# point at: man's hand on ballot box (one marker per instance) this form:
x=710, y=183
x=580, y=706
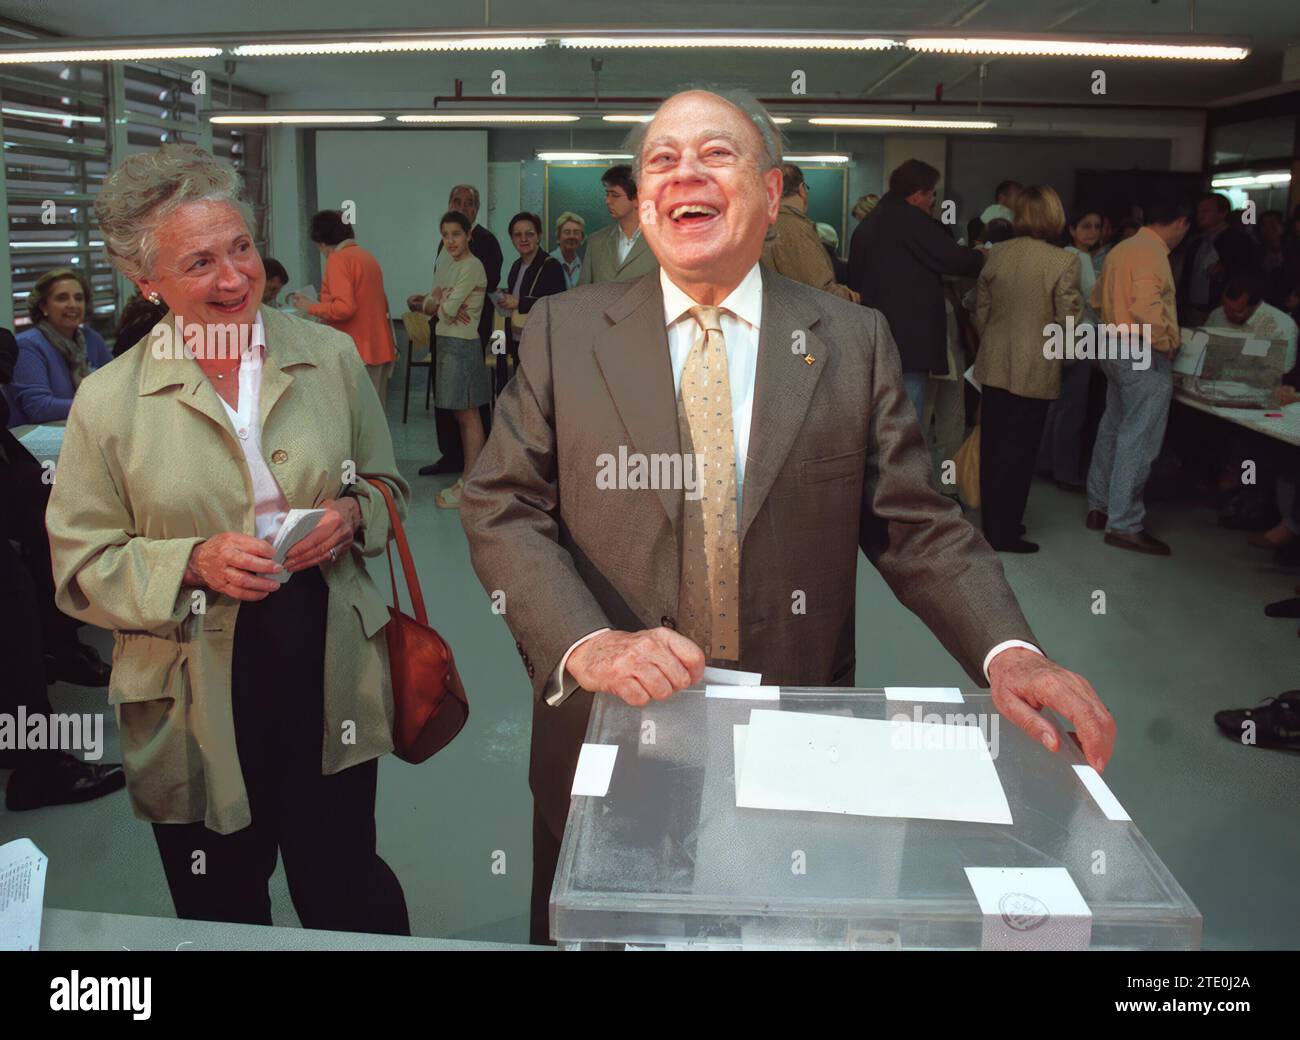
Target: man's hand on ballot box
x=637, y=666
x=1023, y=682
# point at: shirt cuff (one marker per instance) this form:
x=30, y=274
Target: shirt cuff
x=560, y=686
x=1007, y=645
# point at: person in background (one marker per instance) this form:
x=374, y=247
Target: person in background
x=1003, y=205
x=897, y=261
x=276, y=279
x=997, y=231
x=483, y=244
x=618, y=253
x=461, y=384
x=1244, y=309
x=796, y=249
x=1128, y=227
x=863, y=207
x=974, y=233
x=1136, y=287
x=570, y=233
x=1060, y=456
x=57, y=352
x=352, y=297
x=251, y=731
x=38, y=642
x=139, y=316
x=1272, y=256
x=1219, y=249
x=830, y=239
x=1027, y=284
x=535, y=274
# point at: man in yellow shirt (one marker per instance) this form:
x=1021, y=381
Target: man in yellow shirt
x=1136, y=289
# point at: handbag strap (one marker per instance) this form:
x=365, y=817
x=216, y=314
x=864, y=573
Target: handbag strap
x=403, y=552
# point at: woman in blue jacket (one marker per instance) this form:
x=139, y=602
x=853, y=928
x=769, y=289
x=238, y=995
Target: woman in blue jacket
x=57, y=352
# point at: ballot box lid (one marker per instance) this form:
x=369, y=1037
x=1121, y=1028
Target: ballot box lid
x=665, y=859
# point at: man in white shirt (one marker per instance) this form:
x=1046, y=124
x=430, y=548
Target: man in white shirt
x=1243, y=308
x=627, y=588
x=618, y=253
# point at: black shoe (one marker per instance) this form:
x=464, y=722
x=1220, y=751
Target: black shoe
x=441, y=468
x=63, y=781
x=1287, y=608
x=1137, y=541
x=1277, y=722
x=80, y=665
x=1018, y=546
x=1096, y=520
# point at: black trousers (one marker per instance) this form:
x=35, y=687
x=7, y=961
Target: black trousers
x=30, y=624
x=323, y=826
x=1011, y=429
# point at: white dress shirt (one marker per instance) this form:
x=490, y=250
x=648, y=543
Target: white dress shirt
x=741, y=320
x=625, y=244
x=269, y=504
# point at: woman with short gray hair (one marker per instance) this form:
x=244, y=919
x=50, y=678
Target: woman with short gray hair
x=251, y=686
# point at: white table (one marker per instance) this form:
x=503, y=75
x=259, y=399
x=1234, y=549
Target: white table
x=1285, y=429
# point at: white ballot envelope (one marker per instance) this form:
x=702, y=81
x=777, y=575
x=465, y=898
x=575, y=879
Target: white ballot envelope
x=22, y=894
x=297, y=526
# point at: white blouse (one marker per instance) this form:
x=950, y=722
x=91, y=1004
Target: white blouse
x=269, y=504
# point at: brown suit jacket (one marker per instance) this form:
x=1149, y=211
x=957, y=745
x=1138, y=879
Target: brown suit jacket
x=835, y=463
x=1024, y=285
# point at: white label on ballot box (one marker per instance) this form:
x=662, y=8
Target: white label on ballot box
x=730, y=677
x=1031, y=908
x=743, y=693
x=595, y=770
x=1101, y=794
x=933, y=694
x=805, y=762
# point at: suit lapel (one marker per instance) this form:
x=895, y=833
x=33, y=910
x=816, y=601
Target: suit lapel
x=783, y=390
x=632, y=353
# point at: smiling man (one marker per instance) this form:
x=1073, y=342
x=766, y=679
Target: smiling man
x=793, y=400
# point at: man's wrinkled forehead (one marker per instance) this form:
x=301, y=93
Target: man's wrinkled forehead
x=696, y=117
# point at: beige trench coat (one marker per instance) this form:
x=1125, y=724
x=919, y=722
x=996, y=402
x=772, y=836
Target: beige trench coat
x=150, y=467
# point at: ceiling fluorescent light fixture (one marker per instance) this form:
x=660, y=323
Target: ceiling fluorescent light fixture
x=780, y=41
x=644, y=117
x=1263, y=180
x=487, y=117
x=1034, y=46
x=574, y=156
x=30, y=56
x=818, y=157
x=387, y=45
x=309, y=118
x=905, y=122
x=57, y=117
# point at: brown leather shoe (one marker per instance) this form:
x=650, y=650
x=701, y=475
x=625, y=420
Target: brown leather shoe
x=1096, y=520
x=1137, y=541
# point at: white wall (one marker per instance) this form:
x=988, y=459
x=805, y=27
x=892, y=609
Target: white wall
x=399, y=181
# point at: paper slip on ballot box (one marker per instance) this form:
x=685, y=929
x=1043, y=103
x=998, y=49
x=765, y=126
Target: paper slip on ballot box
x=658, y=855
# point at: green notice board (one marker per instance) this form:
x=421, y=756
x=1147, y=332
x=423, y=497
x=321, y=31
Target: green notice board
x=576, y=187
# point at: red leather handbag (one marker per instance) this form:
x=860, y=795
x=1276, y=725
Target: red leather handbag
x=429, y=702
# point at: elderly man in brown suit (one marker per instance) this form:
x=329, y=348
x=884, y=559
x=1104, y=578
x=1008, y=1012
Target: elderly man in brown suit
x=815, y=452
x=797, y=251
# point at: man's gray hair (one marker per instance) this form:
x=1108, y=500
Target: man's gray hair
x=147, y=188
x=467, y=187
x=741, y=99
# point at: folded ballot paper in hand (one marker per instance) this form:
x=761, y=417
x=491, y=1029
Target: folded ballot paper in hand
x=298, y=524
x=866, y=767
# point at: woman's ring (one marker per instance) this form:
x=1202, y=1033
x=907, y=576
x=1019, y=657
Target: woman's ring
x=333, y=556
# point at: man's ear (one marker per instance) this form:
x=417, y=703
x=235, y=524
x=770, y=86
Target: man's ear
x=773, y=183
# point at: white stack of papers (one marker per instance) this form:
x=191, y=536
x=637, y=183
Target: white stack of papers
x=22, y=894
x=867, y=767
x=297, y=525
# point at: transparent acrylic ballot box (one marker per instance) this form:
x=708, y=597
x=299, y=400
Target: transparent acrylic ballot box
x=666, y=860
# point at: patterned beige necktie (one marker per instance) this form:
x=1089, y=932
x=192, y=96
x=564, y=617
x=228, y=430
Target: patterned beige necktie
x=710, y=580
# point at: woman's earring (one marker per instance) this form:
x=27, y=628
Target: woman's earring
x=154, y=298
